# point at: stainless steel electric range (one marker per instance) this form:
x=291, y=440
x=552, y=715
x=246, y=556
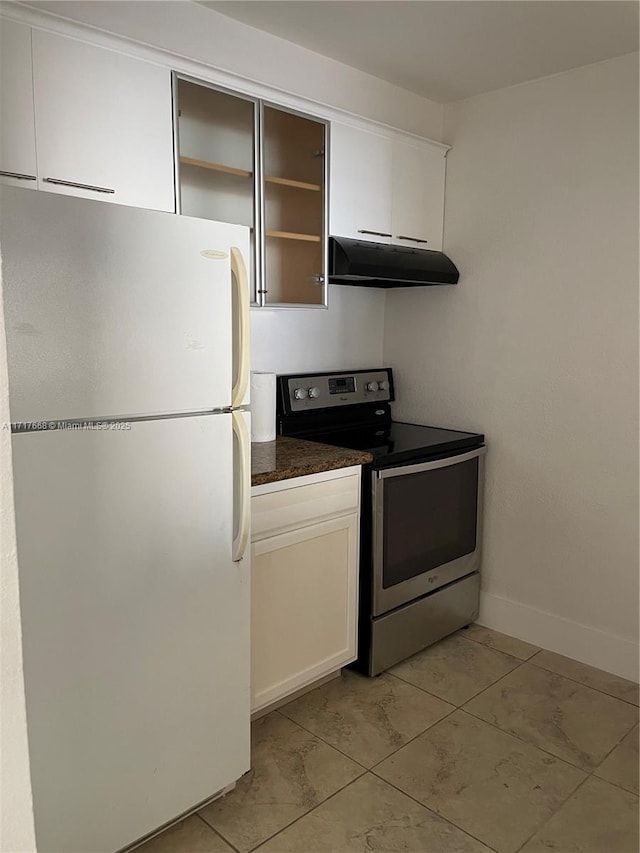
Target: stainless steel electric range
x=421, y=511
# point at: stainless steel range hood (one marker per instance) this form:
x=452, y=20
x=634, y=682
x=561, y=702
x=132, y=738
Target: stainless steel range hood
x=359, y=262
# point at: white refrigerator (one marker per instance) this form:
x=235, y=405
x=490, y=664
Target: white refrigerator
x=127, y=338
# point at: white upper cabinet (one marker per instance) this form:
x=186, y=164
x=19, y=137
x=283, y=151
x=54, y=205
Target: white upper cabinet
x=361, y=173
x=104, y=123
x=417, y=194
x=17, y=127
x=388, y=189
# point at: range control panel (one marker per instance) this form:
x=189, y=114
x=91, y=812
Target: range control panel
x=327, y=390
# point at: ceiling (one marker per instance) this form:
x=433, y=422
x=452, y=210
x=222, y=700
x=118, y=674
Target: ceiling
x=450, y=49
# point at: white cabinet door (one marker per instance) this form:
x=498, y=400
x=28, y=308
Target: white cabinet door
x=361, y=170
x=418, y=194
x=17, y=127
x=103, y=121
x=304, y=607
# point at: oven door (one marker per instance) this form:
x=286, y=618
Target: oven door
x=427, y=526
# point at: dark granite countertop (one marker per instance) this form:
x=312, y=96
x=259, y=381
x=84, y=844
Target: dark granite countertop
x=285, y=458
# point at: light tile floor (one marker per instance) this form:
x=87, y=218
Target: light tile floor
x=481, y=742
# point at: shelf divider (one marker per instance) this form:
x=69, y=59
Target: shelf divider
x=290, y=235
x=287, y=182
x=215, y=167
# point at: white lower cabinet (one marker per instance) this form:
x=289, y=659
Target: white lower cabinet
x=304, y=588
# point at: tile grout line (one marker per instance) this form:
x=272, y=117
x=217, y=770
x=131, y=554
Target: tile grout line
x=546, y=751
x=431, y=811
x=613, y=748
x=217, y=831
x=461, y=707
x=419, y=735
x=580, y=683
x=312, y=809
x=495, y=725
x=587, y=774
x=474, y=696
x=384, y=758
x=554, y=813
x=385, y=782
x=521, y=662
x=526, y=742
x=372, y=770
x=522, y=740
x=214, y=830
x=465, y=636
x=539, y=650
x=364, y=769
x=613, y=784
x=320, y=738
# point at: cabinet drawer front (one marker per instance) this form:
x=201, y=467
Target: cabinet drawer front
x=300, y=505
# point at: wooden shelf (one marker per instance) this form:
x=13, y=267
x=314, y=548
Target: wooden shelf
x=289, y=235
x=215, y=167
x=245, y=173
x=287, y=182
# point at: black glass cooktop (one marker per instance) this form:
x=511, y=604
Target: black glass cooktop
x=401, y=443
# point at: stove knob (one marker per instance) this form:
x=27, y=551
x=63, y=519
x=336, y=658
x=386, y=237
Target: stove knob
x=314, y=393
x=300, y=393
x=384, y=385
x=372, y=386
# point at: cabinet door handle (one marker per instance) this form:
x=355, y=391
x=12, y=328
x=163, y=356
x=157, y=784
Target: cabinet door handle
x=374, y=233
x=18, y=175
x=77, y=186
x=415, y=239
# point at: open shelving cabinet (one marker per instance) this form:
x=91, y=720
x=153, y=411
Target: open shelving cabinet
x=252, y=163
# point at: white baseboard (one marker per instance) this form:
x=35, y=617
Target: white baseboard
x=557, y=634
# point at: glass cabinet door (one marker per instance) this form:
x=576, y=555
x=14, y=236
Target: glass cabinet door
x=248, y=163
x=216, y=150
x=294, y=205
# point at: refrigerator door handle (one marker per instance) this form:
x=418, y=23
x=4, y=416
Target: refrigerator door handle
x=242, y=486
x=241, y=321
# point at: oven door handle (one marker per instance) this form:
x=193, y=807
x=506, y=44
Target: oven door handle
x=430, y=466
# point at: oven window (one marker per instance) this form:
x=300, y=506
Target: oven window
x=429, y=520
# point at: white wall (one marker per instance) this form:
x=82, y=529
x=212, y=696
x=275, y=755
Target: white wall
x=537, y=346
x=349, y=334
x=193, y=31
x=16, y=808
